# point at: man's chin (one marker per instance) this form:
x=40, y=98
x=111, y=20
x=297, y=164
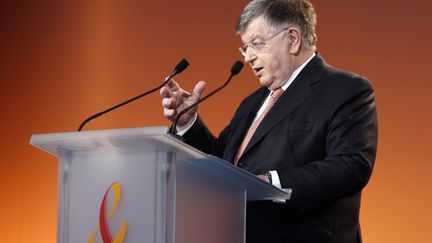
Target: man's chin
x=269, y=85
x=264, y=82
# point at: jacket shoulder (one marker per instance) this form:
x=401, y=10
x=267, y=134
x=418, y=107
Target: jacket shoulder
x=340, y=79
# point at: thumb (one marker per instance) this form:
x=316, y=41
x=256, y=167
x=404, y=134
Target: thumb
x=198, y=90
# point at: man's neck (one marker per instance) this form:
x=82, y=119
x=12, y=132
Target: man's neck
x=303, y=56
x=299, y=68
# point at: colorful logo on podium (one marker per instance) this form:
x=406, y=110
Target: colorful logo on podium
x=103, y=227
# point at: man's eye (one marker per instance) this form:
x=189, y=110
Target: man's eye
x=257, y=44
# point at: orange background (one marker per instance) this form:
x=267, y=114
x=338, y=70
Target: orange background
x=61, y=61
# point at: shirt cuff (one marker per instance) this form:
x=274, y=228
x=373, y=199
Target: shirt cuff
x=276, y=182
x=182, y=132
x=275, y=179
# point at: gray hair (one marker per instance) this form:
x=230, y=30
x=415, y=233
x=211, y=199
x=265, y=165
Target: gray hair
x=281, y=13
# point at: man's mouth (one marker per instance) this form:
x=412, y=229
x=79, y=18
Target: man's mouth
x=257, y=71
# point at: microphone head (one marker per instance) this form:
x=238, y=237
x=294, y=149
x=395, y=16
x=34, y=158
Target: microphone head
x=181, y=66
x=236, y=68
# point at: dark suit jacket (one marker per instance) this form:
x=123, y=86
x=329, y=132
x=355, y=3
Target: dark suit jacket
x=321, y=137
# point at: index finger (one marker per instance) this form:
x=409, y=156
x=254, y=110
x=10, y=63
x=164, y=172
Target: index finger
x=165, y=92
x=172, y=85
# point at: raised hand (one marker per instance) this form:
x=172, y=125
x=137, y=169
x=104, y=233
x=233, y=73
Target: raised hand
x=175, y=99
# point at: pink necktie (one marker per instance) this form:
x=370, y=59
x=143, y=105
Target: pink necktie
x=273, y=98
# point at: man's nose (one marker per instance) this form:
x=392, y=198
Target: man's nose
x=249, y=55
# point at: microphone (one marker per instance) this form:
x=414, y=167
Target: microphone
x=180, y=67
x=235, y=69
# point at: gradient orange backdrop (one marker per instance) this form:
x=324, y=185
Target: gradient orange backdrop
x=61, y=61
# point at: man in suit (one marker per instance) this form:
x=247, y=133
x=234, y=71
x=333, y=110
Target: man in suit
x=310, y=127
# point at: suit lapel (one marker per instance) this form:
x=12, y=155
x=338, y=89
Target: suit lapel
x=296, y=93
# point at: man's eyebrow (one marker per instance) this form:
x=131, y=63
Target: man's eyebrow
x=255, y=38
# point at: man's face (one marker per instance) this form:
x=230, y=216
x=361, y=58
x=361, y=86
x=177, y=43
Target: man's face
x=272, y=64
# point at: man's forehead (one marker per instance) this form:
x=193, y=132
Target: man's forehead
x=257, y=27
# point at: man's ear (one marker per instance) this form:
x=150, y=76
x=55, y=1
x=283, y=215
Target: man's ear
x=295, y=38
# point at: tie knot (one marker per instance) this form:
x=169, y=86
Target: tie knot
x=276, y=93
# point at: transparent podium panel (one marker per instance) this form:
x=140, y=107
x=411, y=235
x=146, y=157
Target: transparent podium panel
x=142, y=185
x=208, y=210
